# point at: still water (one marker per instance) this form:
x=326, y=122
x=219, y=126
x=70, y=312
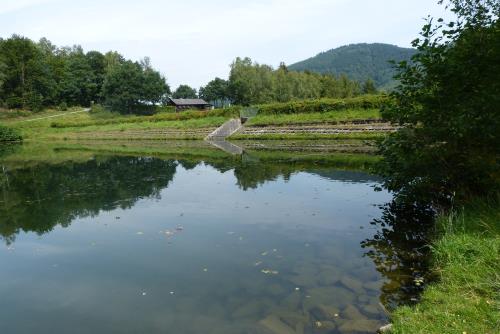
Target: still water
x=132, y=244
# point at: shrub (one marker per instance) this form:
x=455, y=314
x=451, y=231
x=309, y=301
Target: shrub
x=323, y=105
x=14, y=102
x=9, y=134
x=63, y=106
x=97, y=108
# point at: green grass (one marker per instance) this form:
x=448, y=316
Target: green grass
x=103, y=124
x=107, y=118
x=466, y=256
x=309, y=136
x=331, y=117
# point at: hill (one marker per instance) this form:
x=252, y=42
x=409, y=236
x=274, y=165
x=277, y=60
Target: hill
x=358, y=62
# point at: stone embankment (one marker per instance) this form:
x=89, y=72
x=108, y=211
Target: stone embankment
x=325, y=129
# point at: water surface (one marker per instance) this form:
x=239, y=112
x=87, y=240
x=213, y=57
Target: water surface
x=135, y=244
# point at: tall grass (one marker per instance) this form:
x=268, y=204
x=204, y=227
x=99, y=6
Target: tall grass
x=467, y=258
x=332, y=117
x=323, y=105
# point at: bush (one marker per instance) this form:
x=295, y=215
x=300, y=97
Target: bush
x=9, y=134
x=323, y=105
x=97, y=108
x=14, y=102
x=63, y=106
x=35, y=102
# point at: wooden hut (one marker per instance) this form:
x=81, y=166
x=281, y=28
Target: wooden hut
x=185, y=104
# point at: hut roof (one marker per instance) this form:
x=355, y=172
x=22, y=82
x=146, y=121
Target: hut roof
x=189, y=102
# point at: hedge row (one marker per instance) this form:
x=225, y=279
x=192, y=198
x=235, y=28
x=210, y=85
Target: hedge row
x=9, y=134
x=323, y=105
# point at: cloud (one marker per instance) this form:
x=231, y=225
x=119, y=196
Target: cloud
x=191, y=41
x=7, y=6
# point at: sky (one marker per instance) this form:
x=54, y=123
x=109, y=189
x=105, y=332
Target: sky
x=193, y=41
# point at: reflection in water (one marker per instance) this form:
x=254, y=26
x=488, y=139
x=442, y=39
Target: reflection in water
x=399, y=250
x=193, y=253
x=38, y=198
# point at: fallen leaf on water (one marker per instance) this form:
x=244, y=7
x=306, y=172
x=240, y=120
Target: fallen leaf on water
x=269, y=272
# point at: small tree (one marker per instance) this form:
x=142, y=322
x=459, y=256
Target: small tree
x=448, y=105
x=369, y=87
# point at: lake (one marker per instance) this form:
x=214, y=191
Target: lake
x=100, y=242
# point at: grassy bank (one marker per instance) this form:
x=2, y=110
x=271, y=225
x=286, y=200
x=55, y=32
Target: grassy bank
x=309, y=136
x=80, y=124
x=331, y=117
x=466, y=257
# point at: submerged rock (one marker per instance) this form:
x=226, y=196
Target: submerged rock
x=329, y=275
x=359, y=326
x=352, y=312
x=385, y=329
x=352, y=284
x=374, y=285
x=292, y=301
x=324, y=326
x=372, y=309
x=324, y=312
x=304, y=280
x=334, y=295
x=275, y=325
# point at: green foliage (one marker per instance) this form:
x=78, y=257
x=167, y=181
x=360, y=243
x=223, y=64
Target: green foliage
x=216, y=92
x=448, y=104
x=323, y=105
x=359, y=62
x=252, y=83
x=133, y=88
x=38, y=75
x=63, y=106
x=9, y=135
x=330, y=117
x=23, y=72
x=185, y=92
x=465, y=256
x=369, y=87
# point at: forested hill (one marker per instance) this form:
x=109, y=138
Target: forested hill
x=359, y=62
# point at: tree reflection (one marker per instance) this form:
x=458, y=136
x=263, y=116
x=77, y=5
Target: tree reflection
x=38, y=196
x=399, y=251
x=41, y=197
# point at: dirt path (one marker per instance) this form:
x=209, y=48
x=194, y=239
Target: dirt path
x=52, y=116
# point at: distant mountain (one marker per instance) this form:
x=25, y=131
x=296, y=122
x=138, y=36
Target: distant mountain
x=359, y=62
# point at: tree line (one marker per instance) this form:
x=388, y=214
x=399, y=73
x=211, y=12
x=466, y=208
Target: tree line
x=35, y=75
x=253, y=83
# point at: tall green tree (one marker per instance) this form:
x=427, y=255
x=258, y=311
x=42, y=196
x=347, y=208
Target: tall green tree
x=448, y=105
x=23, y=82
x=132, y=88
x=185, y=92
x=215, y=91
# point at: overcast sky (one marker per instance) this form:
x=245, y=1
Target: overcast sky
x=193, y=41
